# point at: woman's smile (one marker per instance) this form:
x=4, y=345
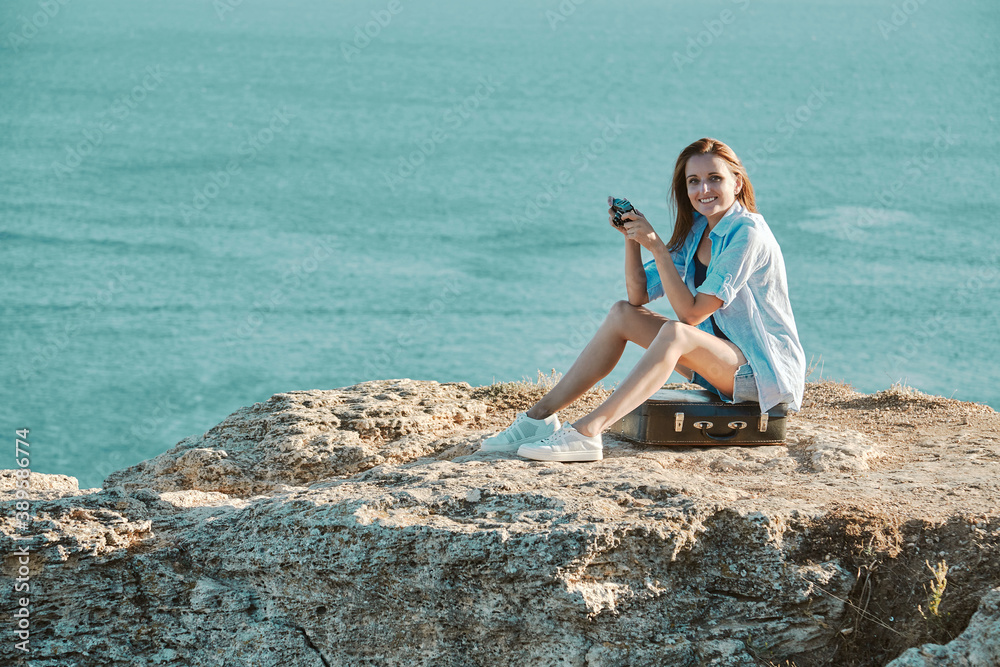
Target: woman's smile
x=708, y=203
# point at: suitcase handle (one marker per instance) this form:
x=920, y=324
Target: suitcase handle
x=703, y=426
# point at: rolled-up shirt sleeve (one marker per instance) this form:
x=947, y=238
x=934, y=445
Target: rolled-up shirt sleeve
x=730, y=270
x=654, y=286
x=654, y=283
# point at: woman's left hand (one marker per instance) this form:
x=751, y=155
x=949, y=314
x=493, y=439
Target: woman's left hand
x=638, y=229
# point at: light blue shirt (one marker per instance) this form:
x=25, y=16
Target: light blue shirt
x=747, y=272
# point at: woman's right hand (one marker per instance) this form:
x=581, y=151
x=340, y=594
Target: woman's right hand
x=637, y=228
x=611, y=221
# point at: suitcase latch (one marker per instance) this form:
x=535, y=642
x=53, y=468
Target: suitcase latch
x=678, y=421
x=762, y=424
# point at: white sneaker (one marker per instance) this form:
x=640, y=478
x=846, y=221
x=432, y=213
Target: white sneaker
x=566, y=444
x=524, y=430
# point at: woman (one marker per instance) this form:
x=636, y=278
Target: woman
x=724, y=276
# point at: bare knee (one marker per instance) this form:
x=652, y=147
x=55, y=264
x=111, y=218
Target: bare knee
x=671, y=330
x=620, y=313
x=621, y=309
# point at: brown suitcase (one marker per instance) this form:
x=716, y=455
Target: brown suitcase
x=699, y=417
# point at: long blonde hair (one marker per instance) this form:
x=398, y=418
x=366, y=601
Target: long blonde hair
x=678, y=187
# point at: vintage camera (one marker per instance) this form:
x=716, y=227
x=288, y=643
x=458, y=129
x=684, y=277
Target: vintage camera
x=619, y=206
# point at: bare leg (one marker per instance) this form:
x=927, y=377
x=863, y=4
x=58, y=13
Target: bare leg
x=624, y=322
x=712, y=357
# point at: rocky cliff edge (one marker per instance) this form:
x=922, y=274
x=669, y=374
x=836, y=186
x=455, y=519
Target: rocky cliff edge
x=360, y=526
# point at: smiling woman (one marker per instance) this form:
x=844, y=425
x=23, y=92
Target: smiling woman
x=724, y=276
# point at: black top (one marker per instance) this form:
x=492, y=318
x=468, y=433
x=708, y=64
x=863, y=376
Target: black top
x=700, y=271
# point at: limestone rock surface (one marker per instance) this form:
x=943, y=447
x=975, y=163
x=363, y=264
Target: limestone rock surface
x=361, y=526
x=298, y=437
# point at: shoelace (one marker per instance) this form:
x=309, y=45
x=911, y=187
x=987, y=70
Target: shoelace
x=556, y=437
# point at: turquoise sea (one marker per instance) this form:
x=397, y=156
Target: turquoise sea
x=203, y=203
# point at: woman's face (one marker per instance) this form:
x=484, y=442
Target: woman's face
x=712, y=187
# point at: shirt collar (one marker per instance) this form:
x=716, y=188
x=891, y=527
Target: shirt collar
x=734, y=212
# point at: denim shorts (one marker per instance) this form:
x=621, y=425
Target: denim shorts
x=744, y=385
